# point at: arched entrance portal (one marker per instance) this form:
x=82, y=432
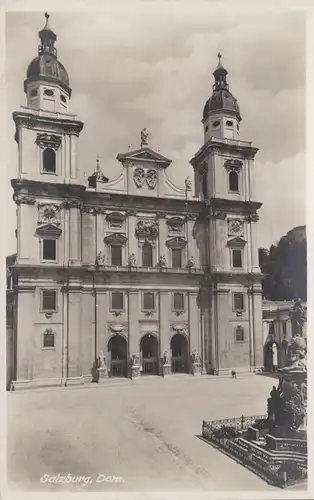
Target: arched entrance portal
x=149, y=352
x=117, y=356
x=179, y=350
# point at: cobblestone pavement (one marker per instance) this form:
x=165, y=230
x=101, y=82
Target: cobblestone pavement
x=145, y=433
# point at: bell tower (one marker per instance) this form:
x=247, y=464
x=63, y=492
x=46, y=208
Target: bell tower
x=224, y=175
x=46, y=132
x=48, y=173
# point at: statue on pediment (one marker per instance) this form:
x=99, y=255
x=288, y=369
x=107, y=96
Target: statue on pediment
x=144, y=137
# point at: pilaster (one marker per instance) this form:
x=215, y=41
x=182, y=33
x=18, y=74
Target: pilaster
x=133, y=324
x=164, y=326
x=74, y=334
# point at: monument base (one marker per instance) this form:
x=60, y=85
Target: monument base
x=166, y=370
x=134, y=371
x=196, y=369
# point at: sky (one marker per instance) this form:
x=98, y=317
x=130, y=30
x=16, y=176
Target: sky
x=152, y=68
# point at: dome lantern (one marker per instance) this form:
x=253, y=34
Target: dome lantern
x=47, y=83
x=221, y=113
x=47, y=38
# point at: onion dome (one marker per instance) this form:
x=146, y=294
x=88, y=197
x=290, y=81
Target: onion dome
x=46, y=65
x=221, y=99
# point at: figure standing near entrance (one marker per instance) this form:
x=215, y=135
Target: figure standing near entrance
x=275, y=356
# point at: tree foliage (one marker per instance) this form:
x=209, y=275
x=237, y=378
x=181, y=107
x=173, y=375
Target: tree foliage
x=285, y=267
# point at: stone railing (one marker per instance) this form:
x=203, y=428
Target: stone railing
x=239, y=423
x=276, y=462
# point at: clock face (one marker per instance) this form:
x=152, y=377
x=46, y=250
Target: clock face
x=236, y=227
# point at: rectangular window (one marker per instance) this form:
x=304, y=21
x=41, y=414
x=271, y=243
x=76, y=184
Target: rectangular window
x=271, y=328
x=116, y=255
x=178, y=301
x=49, y=300
x=148, y=301
x=176, y=254
x=49, y=250
x=9, y=282
x=238, y=301
x=117, y=301
x=49, y=339
x=239, y=334
x=237, y=258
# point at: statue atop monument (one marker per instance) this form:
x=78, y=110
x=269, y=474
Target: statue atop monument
x=298, y=317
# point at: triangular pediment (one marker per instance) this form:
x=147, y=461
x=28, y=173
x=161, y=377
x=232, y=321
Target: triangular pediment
x=176, y=242
x=145, y=155
x=48, y=230
x=236, y=242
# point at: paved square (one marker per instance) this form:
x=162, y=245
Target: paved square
x=144, y=431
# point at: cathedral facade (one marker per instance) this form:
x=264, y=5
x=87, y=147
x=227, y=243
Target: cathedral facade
x=135, y=275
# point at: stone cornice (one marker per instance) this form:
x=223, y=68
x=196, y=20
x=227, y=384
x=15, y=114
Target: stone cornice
x=31, y=120
x=101, y=203
x=235, y=206
x=47, y=189
x=230, y=146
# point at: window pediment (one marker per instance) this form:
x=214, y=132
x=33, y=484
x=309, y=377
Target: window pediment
x=175, y=221
x=146, y=229
x=236, y=243
x=116, y=238
x=48, y=141
x=49, y=230
x=233, y=164
x=177, y=242
x=115, y=219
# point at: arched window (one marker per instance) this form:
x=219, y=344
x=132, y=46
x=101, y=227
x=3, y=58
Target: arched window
x=233, y=181
x=49, y=161
x=147, y=255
